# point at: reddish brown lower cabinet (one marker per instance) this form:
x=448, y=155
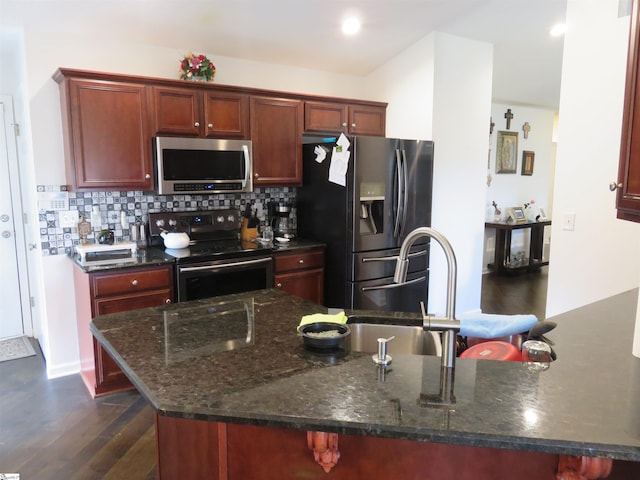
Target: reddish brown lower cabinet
x=111, y=292
x=301, y=273
x=196, y=449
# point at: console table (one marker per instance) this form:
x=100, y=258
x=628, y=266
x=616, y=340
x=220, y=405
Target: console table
x=502, y=259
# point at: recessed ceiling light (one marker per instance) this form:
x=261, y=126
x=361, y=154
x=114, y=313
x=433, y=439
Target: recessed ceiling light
x=558, y=30
x=351, y=26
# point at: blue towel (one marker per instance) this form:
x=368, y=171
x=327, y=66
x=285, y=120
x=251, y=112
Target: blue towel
x=489, y=325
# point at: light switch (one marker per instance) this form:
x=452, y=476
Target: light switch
x=569, y=221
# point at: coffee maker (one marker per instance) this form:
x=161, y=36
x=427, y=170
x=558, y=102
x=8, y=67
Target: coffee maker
x=280, y=219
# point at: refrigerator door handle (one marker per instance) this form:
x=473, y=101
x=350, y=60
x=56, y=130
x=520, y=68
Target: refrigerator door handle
x=398, y=186
x=393, y=258
x=388, y=286
x=405, y=190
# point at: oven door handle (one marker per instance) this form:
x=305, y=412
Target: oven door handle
x=222, y=266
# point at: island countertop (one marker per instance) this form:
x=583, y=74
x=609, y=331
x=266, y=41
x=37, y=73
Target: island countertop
x=238, y=359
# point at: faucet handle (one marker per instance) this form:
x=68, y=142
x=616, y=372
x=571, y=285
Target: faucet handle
x=381, y=358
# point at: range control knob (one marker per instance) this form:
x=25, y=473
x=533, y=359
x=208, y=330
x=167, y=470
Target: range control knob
x=220, y=219
x=160, y=222
x=231, y=218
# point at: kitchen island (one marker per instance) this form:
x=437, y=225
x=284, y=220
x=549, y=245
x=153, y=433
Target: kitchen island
x=237, y=396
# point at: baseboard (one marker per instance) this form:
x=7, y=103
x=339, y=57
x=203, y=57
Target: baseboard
x=62, y=370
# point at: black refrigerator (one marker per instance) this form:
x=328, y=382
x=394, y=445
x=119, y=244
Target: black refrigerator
x=362, y=204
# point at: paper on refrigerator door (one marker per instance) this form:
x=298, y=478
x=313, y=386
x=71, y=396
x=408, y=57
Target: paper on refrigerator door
x=343, y=142
x=321, y=153
x=339, y=165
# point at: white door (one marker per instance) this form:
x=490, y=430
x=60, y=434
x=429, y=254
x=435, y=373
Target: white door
x=11, y=318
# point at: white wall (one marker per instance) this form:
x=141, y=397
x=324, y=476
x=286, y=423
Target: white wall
x=514, y=189
x=601, y=257
x=56, y=323
x=430, y=97
x=461, y=110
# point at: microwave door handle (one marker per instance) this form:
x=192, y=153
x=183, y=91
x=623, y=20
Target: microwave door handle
x=247, y=165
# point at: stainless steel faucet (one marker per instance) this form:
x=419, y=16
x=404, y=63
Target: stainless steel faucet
x=448, y=324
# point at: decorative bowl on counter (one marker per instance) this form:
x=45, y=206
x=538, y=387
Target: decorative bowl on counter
x=324, y=335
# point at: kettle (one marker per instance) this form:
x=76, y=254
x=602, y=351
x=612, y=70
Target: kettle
x=175, y=239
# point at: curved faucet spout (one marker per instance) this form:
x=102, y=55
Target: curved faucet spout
x=449, y=324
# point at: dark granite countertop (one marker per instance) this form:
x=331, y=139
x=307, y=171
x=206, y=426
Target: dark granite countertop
x=156, y=255
x=144, y=257
x=586, y=403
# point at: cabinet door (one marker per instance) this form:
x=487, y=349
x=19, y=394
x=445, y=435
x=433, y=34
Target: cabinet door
x=307, y=284
x=177, y=111
x=367, y=120
x=628, y=196
x=109, y=146
x=325, y=117
x=226, y=115
x=276, y=133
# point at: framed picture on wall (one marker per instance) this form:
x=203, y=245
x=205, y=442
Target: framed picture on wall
x=527, y=162
x=506, y=152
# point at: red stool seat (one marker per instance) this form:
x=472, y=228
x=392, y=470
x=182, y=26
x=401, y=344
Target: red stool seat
x=493, y=350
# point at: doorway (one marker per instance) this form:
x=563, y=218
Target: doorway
x=15, y=307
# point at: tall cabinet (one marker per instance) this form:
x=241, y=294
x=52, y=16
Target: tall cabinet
x=95, y=112
x=628, y=183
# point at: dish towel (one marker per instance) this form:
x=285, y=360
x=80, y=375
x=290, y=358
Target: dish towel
x=323, y=317
x=490, y=325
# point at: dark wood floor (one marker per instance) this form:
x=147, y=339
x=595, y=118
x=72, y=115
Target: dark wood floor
x=54, y=430
x=515, y=293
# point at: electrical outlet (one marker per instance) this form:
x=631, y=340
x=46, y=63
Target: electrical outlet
x=68, y=219
x=569, y=221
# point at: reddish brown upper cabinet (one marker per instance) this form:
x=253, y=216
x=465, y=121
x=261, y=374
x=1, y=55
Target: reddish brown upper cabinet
x=106, y=134
x=353, y=119
x=628, y=184
x=276, y=134
x=201, y=112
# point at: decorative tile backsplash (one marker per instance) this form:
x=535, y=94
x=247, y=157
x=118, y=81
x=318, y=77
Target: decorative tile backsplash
x=103, y=210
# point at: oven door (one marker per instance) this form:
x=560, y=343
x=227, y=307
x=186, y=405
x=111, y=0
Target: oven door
x=223, y=277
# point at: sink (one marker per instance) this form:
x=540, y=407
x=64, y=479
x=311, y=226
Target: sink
x=409, y=340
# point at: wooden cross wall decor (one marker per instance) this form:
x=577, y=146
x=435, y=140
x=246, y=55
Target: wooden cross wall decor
x=509, y=117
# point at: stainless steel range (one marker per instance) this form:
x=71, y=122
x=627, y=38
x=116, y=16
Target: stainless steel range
x=216, y=262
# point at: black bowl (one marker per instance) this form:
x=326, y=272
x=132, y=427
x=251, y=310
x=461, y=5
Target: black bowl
x=311, y=338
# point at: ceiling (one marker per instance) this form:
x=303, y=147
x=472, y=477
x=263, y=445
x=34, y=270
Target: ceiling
x=306, y=33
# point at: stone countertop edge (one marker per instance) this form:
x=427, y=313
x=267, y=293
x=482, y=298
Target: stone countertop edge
x=574, y=340
x=150, y=256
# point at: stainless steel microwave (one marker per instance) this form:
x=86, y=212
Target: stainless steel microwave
x=203, y=165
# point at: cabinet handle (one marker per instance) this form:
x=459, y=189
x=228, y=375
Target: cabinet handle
x=168, y=300
x=613, y=186
x=147, y=176
x=256, y=174
x=301, y=261
x=279, y=285
x=210, y=125
x=197, y=124
x=344, y=124
x=353, y=125
x=134, y=282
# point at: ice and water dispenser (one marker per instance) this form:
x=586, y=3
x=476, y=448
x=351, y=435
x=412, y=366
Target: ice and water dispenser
x=371, y=208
